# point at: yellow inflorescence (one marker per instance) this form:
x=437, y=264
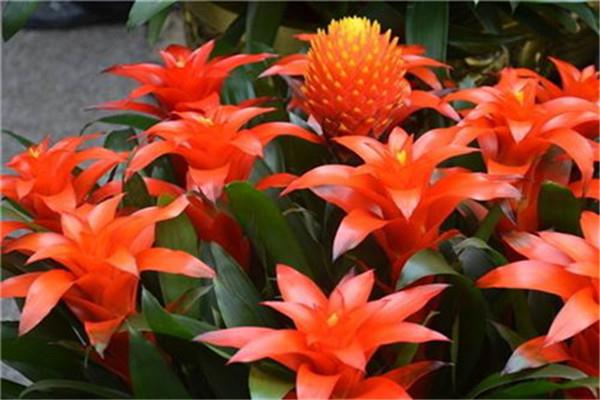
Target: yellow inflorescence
x=355, y=77
x=401, y=156
x=333, y=320
x=34, y=151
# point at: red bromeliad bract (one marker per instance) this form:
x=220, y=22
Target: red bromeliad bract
x=103, y=255
x=398, y=193
x=334, y=337
x=187, y=80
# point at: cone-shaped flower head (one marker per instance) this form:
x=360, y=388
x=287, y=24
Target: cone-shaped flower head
x=355, y=77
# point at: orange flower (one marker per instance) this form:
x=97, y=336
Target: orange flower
x=521, y=136
x=394, y=193
x=559, y=264
x=334, y=337
x=187, y=79
x=46, y=185
x=103, y=255
x=214, y=145
x=354, y=79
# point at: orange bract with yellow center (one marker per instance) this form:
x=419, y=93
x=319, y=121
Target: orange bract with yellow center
x=354, y=79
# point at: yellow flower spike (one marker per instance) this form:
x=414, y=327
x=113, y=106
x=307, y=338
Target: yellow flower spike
x=353, y=56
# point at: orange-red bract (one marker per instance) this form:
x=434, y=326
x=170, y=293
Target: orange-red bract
x=532, y=131
x=215, y=146
x=187, y=79
x=398, y=193
x=563, y=265
x=103, y=255
x=334, y=337
x=46, y=183
x=354, y=79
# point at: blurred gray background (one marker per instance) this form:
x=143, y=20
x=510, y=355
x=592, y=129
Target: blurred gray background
x=50, y=77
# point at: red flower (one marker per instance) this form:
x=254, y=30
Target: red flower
x=398, y=193
x=334, y=337
x=103, y=255
x=354, y=79
x=187, y=79
x=45, y=184
x=559, y=264
x=215, y=146
x=522, y=133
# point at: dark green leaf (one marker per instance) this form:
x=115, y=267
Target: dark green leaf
x=151, y=376
x=143, y=10
x=21, y=139
x=23, y=354
x=511, y=337
x=424, y=263
x=165, y=323
x=156, y=24
x=177, y=234
x=262, y=23
x=137, y=121
x=238, y=299
x=121, y=140
x=427, y=25
x=231, y=37
x=266, y=227
x=487, y=226
x=558, y=208
x=587, y=14
x=265, y=385
x=15, y=14
x=10, y=389
x=136, y=193
x=551, y=371
x=541, y=388
x=84, y=389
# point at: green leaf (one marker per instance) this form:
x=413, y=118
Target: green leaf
x=424, y=263
x=558, y=208
x=262, y=23
x=585, y=12
x=542, y=388
x=238, y=299
x=136, y=193
x=156, y=24
x=497, y=380
x=15, y=14
x=477, y=257
x=151, y=376
x=229, y=40
x=137, y=121
x=264, y=385
x=21, y=139
x=266, y=227
x=143, y=10
x=10, y=389
x=511, y=337
x=84, y=389
x=23, y=354
x=165, y=323
x=121, y=140
x=427, y=25
x=177, y=234
x=487, y=226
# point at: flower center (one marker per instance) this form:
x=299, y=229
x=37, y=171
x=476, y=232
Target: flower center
x=350, y=27
x=204, y=120
x=333, y=320
x=34, y=151
x=520, y=96
x=401, y=156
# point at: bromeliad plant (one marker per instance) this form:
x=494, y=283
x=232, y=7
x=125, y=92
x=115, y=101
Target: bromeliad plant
x=151, y=266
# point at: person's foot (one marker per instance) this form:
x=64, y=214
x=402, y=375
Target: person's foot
x=69, y=14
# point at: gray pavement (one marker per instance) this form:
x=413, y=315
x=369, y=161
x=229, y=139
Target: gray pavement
x=50, y=77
